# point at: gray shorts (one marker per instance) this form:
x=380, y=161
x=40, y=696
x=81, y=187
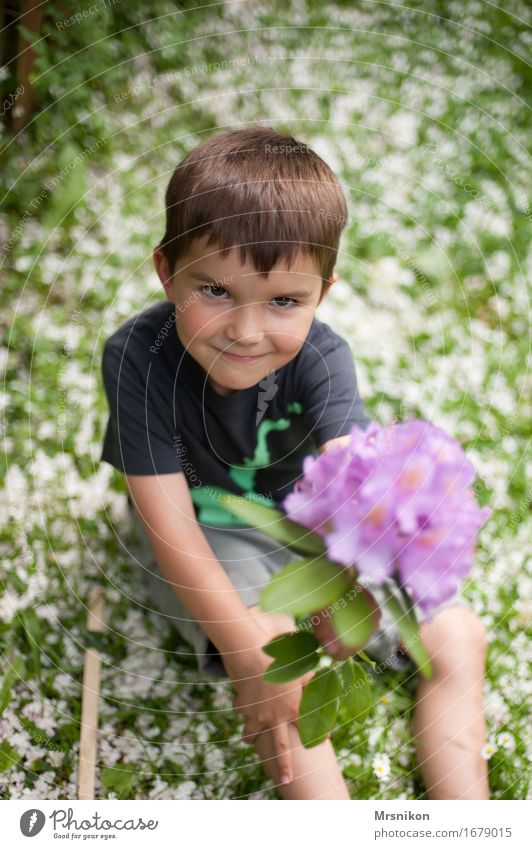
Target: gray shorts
x=250, y=559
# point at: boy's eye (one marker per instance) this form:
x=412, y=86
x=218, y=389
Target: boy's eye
x=214, y=290
x=287, y=301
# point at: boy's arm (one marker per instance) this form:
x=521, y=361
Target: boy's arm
x=186, y=559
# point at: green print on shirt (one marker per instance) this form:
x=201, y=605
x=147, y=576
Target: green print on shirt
x=206, y=497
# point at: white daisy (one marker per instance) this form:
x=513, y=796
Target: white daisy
x=185, y=790
x=488, y=750
x=381, y=766
x=505, y=740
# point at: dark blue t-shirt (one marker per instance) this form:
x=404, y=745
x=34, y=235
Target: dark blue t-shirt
x=165, y=416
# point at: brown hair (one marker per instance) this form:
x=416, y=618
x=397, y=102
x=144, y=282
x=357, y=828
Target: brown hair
x=261, y=191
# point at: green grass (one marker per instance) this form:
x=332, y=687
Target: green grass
x=424, y=123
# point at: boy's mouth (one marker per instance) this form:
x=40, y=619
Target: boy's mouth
x=242, y=359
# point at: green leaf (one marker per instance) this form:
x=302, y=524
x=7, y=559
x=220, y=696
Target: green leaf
x=8, y=756
x=32, y=630
x=353, y=622
x=275, y=524
x=69, y=190
x=280, y=671
x=295, y=653
x=294, y=645
x=356, y=695
x=17, y=582
x=318, y=707
x=409, y=630
x=67, y=734
x=31, y=624
x=304, y=587
x=363, y=656
x=15, y=670
x=118, y=778
x=5, y=697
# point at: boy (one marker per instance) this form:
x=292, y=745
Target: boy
x=228, y=384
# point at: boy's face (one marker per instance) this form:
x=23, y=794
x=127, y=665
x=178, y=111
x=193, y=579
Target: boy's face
x=238, y=325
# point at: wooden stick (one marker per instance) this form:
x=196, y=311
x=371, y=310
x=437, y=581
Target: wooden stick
x=90, y=701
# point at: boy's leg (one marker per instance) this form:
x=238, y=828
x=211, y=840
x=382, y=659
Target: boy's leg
x=316, y=771
x=449, y=719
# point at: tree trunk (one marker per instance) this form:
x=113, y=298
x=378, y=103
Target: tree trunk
x=31, y=17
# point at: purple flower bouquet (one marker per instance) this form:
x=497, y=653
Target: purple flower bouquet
x=391, y=505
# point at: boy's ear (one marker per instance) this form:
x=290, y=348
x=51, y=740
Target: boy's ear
x=163, y=272
x=326, y=286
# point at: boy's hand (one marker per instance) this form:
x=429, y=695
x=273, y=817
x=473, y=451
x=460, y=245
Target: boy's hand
x=327, y=636
x=265, y=705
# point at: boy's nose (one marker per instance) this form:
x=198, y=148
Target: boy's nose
x=245, y=327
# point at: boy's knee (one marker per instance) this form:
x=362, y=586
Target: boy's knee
x=477, y=634
x=457, y=639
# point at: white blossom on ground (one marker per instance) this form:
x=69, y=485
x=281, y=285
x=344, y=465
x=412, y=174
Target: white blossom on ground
x=381, y=766
x=505, y=740
x=488, y=750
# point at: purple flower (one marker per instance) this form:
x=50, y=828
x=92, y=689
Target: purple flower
x=394, y=501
